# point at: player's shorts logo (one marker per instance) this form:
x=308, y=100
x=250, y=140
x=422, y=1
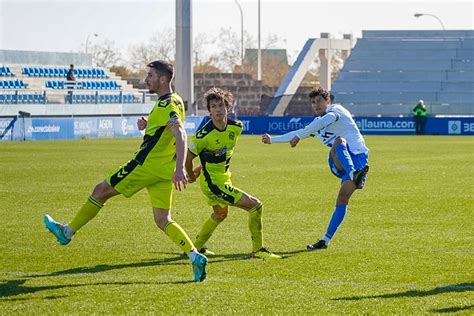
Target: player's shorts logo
x=454, y=127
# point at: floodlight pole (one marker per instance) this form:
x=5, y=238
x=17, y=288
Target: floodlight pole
x=259, y=53
x=417, y=15
x=241, y=32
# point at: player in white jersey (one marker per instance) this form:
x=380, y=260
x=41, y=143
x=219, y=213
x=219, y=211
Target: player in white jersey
x=348, y=157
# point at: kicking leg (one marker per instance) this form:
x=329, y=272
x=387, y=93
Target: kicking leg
x=64, y=232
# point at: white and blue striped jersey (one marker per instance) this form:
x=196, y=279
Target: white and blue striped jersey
x=337, y=122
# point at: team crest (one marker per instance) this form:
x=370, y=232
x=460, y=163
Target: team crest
x=231, y=135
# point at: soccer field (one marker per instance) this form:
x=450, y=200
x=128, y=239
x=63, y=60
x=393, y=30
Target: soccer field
x=405, y=247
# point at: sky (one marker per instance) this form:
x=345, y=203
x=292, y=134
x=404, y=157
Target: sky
x=65, y=25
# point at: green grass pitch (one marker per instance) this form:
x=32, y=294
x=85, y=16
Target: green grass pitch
x=405, y=247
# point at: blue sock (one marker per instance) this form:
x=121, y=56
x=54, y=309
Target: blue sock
x=344, y=158
x=336, y=220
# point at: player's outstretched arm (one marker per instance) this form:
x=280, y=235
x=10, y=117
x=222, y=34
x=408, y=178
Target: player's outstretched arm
x=290, y=137
x=180, y=178
x=317, y=124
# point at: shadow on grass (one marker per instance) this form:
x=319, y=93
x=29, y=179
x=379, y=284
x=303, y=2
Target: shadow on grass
x=13, y=288
x=217, y=257
x=287, y=254
x=452, y=288
x=240, y=256
x=109, y=267
x=453, y=309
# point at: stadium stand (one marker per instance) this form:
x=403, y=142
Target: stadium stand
x=6, y=72
x=389, y=71
x=47, y=84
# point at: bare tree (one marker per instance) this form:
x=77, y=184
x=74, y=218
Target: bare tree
x=161, y=45
x=105, y=54
x=229, y=49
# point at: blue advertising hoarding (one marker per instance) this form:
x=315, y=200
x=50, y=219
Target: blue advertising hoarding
x=367, y=125
x=43, y=128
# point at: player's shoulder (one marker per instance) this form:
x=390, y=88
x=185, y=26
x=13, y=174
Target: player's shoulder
x=169, y=99
x=205, y=130
x=339, y=110
x=236, y=123
x=175, y=98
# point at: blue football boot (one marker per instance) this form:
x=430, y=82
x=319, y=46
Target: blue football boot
x=199, y=268
x=56, y=229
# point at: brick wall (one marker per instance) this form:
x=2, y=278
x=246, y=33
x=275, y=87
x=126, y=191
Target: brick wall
x=247, y=91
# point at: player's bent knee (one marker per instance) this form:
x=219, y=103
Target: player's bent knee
x=162, y=217
x=257, y=204
x=343, y=198
x=220, y=216
x=103, y=191
x=340, y=141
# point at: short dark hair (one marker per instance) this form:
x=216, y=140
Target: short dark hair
x=163, y=67
x=319, y=91
x=218, y=94
x=72, y=66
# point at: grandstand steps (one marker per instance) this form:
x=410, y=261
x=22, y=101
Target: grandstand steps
x=397, y=68
x=101, y=86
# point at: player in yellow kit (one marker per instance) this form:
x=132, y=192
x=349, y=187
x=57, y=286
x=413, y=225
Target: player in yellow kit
x=156, y=166
x=214, y=144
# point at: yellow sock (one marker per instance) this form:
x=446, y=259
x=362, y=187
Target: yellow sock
x=206, y=232
x=255, y=226
x=87, y=212
x=179, y=236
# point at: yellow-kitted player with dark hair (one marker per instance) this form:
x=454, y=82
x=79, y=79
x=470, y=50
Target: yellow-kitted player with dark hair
x=214, y=144
x=156, y=166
